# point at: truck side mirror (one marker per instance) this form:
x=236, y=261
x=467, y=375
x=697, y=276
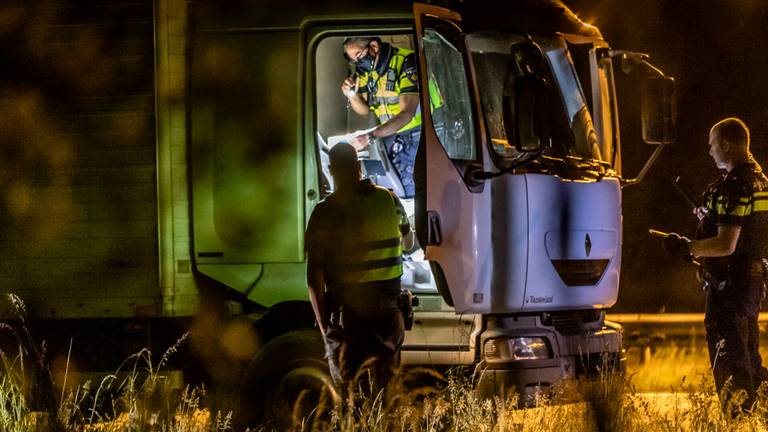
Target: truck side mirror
x=529, y=109
x=659, y=110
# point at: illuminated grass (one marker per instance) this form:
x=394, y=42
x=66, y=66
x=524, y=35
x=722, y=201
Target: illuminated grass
x=672, y=368
x=670, y=390
x=449, y=405
x=669, y=367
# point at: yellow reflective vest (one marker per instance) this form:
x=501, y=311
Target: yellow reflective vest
x=368, y=247
x=384, y=86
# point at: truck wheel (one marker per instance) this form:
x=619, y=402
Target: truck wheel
x=288, y=369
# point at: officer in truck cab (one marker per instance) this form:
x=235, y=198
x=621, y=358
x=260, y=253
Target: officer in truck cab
x=354, y=245
x=732, y=242
x=385, y=82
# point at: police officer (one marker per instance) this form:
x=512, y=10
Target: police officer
x=386, y=83
x=354, y=244
x=732, y=240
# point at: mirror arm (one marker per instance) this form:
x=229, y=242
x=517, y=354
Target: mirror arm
x=651, y=68
x=644, y=170
x=636, y=59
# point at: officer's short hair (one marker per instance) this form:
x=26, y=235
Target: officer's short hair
x=733, y=130
x=343, y=158
x=362, y=40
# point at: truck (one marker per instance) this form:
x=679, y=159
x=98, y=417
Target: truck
x=166, y=175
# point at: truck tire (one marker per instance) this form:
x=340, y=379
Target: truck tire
x=289, y=368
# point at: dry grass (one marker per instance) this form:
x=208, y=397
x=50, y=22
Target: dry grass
x=668, y=391
x=669, y=367
x=138, y=396
x=605, y=404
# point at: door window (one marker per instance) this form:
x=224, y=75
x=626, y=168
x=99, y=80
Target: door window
x=450, y=103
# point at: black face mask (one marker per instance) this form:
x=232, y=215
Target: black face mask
x=366, y=62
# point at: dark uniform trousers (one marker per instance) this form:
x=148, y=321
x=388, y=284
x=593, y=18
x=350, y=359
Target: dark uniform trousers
x=401, y=149
x=369, y=336
x=733, y=335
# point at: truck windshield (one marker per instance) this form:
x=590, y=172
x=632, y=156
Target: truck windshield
x=498, y=60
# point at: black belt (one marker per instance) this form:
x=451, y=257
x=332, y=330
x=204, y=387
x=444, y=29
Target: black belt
x=375, y=305
x=753, y=266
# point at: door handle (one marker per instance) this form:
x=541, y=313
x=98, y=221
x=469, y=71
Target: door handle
x=434, y=235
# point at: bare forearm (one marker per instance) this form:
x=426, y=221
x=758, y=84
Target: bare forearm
x=723, y=244
x=393, y=125
x=408, y=240
x=710, y=247
x=318, y=306
x=409, y=104
x=359, y=105
x=315, y=286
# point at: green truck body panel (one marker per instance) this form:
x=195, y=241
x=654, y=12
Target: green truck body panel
x=78, y=195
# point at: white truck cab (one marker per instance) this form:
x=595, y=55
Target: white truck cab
x=518, y=206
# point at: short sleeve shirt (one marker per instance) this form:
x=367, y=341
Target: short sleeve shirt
x=738, y=199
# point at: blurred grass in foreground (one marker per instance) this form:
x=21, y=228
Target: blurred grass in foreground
x=669, y=390
x=143, y=401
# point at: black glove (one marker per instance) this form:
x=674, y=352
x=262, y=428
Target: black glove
x=676, y=246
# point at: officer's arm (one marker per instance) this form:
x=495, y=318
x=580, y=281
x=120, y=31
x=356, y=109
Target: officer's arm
x=723, y=244
x=359, y=105
x=409, y=104
x=356, y=100
x=316, y=286
x=315, y=240
x=407, y=238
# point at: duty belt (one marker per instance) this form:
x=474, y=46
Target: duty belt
x=757, y=267
x=373, y=306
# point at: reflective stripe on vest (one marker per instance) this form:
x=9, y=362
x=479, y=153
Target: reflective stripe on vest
x=386, y=103
x=745, y=206
x=369, y=249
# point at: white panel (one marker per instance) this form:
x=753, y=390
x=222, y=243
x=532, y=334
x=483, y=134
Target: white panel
x=538, y=218
x=465, y=223
x=510, y=243
x=571, y=209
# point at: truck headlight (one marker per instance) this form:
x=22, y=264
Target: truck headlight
x=516, y=348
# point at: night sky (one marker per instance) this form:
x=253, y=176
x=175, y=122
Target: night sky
x=718, y=52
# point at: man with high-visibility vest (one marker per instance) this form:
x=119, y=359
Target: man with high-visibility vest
x=354, y=245
x=386, y=83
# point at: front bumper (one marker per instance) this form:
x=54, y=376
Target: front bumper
x=590, y=353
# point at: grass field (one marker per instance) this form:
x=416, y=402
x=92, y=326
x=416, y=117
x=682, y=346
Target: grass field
x=668, y=388
x=671, y=391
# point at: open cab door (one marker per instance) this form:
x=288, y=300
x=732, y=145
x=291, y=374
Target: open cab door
x=453, y=208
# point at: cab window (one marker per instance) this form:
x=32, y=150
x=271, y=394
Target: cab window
x=450, y=103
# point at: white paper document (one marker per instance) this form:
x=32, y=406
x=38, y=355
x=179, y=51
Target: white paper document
x=333, y=140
